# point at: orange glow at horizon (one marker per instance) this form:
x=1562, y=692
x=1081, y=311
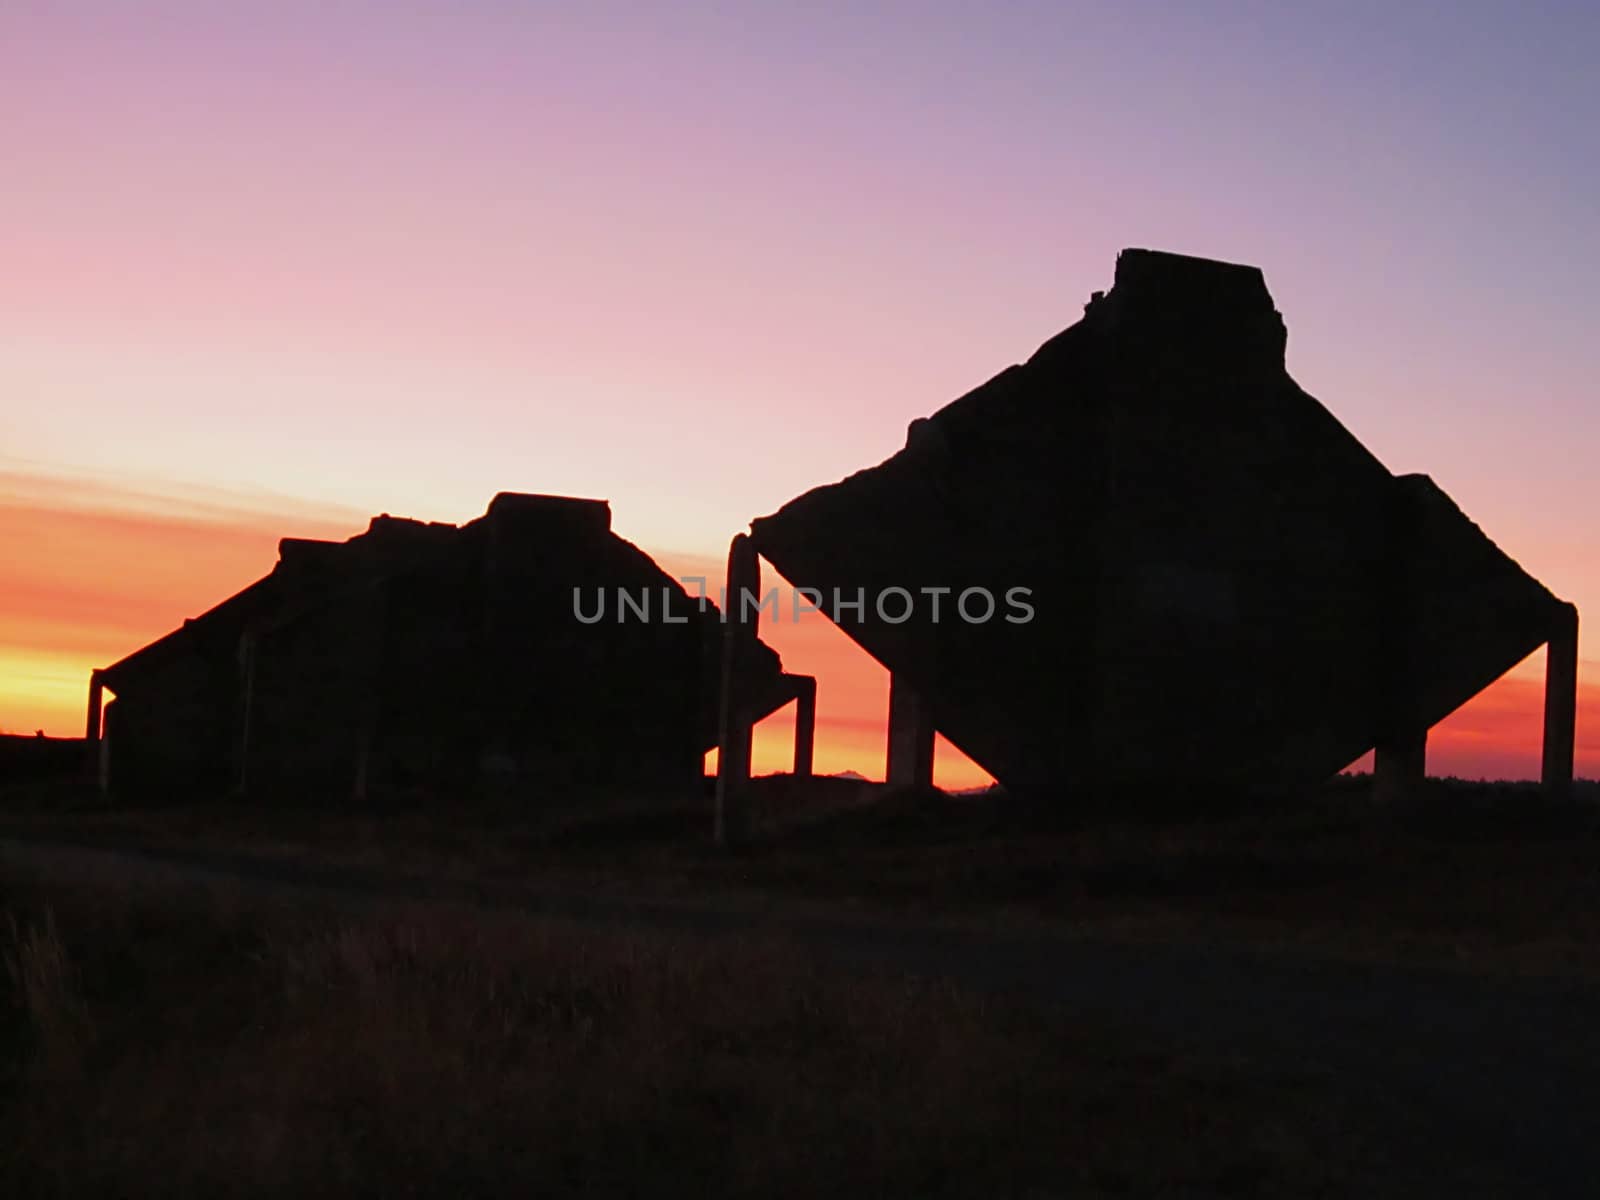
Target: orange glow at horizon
x=83, y=584
x=89, y=573
x=852, y=692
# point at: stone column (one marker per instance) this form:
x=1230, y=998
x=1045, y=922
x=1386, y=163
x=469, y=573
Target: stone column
x=1399, y=767
x=94, y=734
x=1560, y=703
x=1400, y=753
x=102, y=759
x=91, y=732
x=734, y=728
x=910, y=736
x=805, y=724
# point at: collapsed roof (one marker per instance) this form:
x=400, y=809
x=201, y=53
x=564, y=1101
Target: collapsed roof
x=431, y=648
x=1226, y=586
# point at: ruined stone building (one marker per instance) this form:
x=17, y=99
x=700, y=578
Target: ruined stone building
x=1224, y=589
x=1227, y=588
x=431, y=660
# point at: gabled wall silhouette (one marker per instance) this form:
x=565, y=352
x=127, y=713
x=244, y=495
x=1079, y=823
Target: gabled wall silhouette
x=1229, y=589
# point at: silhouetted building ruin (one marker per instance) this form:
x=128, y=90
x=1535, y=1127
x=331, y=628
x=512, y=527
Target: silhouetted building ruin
x=1227, y=589
x=427, y=659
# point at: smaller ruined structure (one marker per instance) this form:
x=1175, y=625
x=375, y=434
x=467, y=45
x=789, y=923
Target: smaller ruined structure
x=530, y=650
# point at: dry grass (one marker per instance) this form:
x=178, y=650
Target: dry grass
x=1486, y=878
x=199, y=1043
x=46, y=992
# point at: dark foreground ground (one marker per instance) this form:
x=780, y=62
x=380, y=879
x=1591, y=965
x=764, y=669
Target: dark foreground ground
x=1485, y=878
x=894, y=997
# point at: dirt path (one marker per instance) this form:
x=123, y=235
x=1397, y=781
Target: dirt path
x=1501, y=1074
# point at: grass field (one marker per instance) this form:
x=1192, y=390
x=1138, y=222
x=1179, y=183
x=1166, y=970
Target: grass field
x=198, y=1041
x=1480, y=877
x=219, y=1039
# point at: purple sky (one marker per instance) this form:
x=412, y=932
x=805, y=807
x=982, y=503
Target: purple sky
x=391, y=256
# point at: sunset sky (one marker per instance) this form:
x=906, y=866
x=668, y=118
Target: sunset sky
x=269, y=268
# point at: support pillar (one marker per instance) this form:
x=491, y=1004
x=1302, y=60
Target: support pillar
x=734, y=727
x=1560, y=703
x=1400, y=756
x=805, y=724
x=1399, y=767
x=108, y=738
x=93, y=726
x=910, y=737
